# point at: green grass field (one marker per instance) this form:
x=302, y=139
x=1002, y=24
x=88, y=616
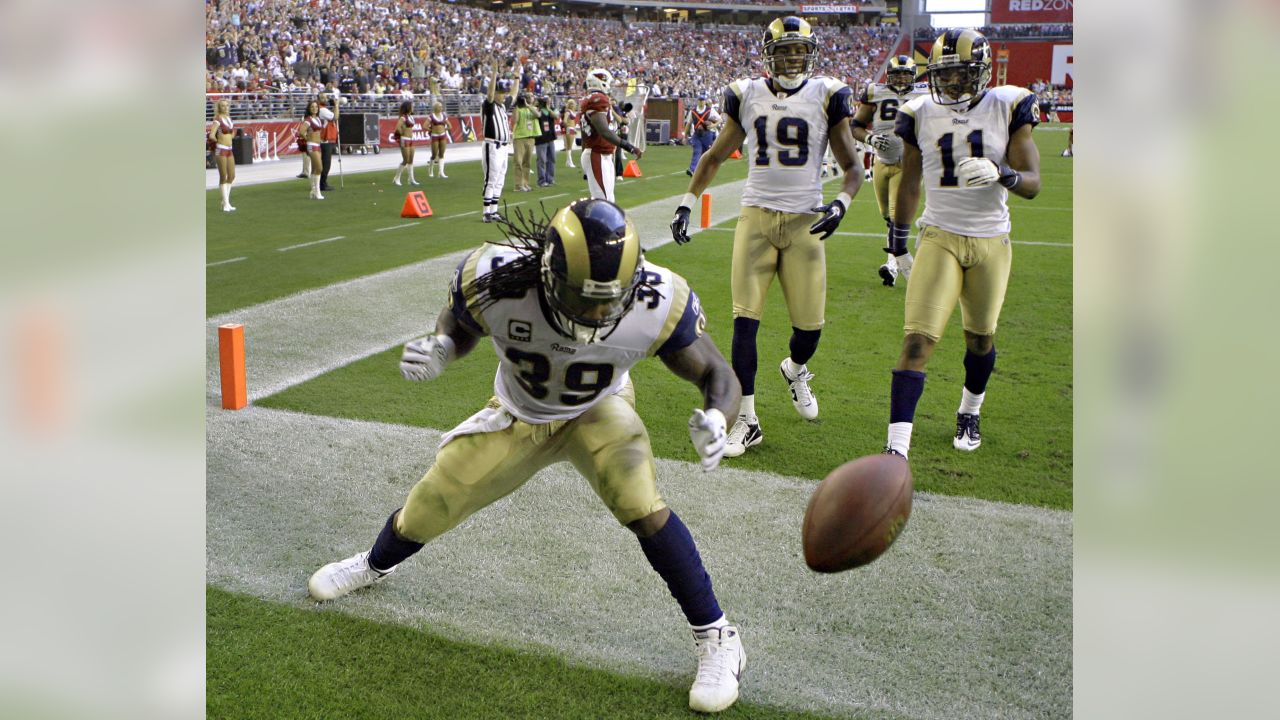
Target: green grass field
x=267, y=660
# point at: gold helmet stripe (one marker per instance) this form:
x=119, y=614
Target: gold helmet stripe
x=630, y=254
x=574, y=239
x=964, y=45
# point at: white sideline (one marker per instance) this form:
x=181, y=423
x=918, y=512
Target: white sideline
x=287, y=248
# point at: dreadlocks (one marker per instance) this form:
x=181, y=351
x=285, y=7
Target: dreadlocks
x=525, y=232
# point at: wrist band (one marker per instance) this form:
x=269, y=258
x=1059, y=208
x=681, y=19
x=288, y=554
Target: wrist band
x=844, y=199
x=688, y=200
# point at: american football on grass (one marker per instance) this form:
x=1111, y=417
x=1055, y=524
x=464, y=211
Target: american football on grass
x=856, y=513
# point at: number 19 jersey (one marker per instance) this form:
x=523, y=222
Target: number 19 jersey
x=787, y=137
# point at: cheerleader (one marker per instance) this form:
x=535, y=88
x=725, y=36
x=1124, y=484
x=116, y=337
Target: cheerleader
x=221, y=130
x=405, y=126
x=570, y=122
x=310, y=128
x=438, y=126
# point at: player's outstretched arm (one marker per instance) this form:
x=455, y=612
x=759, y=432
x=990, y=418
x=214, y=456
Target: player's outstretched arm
x=1024, y=159
x=727, y=141
x=701, y=363
x=601, y=128
x=427, y=357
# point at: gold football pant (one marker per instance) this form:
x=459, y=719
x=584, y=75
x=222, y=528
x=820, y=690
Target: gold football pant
x=608, y=444
x=952, y=267
x=886, y=179
x=768, y=243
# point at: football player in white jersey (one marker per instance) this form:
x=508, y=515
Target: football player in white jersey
x=972, y=146
x=570, y=305
x=873, y=124
x=787, y=118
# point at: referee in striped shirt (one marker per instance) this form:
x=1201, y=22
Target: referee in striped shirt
x=497, y=136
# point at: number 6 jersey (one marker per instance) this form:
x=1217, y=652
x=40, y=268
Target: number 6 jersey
x=945, y=137
x=786, y=138
x=544, y=376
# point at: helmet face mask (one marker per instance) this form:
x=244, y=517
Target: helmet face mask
x=959, y=68
x=901, y=75
x=790, y=52
x=591, y=266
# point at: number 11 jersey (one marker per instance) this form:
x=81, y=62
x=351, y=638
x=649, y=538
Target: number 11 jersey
x=786, y=138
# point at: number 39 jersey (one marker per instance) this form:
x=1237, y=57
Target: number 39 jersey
x=786, y=138
x=883, y=118
x=945, y=137
x=544, y=376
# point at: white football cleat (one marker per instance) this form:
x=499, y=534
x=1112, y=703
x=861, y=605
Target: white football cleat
x=801, y=396
x=721, y=660
x=967, y=436
x=339, y=578
x=741, y=436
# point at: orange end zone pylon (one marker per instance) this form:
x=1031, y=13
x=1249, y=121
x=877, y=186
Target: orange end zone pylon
x=231, y=360
x=415, y=205
x=706, y=210
x=632, y=169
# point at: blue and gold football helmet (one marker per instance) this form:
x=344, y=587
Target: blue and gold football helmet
x=901, y=74
x=959, y=67
x=790, y=68
x=591, y=265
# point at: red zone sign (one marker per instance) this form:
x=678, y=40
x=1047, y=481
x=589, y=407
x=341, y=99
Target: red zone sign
x=1031, y=11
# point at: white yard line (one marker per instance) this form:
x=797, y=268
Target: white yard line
x=450, y=217
x=309, y=244
x=224, y=262
x=395, y=227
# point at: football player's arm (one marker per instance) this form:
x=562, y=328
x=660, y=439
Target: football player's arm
x=862, y=120
x=701, y=363
x=601, y=128
x=1024, y=158
x=427, y=357
x=842, y=147
x=908, y=199
x=726, y=142
x=493, y=81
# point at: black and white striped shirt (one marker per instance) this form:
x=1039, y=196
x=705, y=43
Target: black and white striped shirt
x=496, y=125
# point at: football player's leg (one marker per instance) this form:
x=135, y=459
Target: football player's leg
x=981, y=300
x=755, y=262
x=802, y=272
x=932, y=292
x=610, y=447
x=596, y=170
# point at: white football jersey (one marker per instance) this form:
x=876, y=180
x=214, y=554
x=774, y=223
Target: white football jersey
x=884, y=118
x=544, y=376
x=786, y=138
x=945, y=137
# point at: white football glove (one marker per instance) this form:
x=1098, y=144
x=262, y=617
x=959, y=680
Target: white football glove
x=904, y=265
x=882, y=142
x=426, y=358
x=707, y=431
x=977, y=172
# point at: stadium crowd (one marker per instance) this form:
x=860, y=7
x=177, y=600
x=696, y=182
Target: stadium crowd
x=384, y=47
x=1006, y=32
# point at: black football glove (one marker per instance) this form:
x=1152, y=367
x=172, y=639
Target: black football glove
x=680, y=225
x=832, y=213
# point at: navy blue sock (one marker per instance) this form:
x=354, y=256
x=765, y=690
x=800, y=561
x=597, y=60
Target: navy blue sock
x=389, y=550
x=804, y=343
x=673, y=555
x=744, y=353
x=904, y=393
x=977, y=370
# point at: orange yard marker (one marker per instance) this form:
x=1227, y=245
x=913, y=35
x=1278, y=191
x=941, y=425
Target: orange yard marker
x=735, y=155
x=632, y=169
x=415, y=205
x=231, y=360
x=706, y=210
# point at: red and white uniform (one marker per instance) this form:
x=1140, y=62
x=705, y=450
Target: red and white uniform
x=226, y=126
x=438, y=126
x=411, y=123
x=597, y=153
x=571, y=119
x=314, y=124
